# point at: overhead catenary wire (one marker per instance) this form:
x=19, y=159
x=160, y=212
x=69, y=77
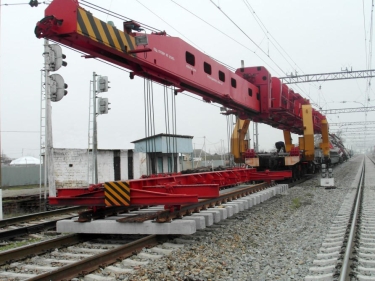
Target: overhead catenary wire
x=203, y=20
x=115, y=15
x=16, y=4
x=282, y=71
x=217, y=29
x=269, y=35
x=169, y=25
x=365, y=31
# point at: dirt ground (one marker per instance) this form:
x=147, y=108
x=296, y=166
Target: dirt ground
x=14, y=192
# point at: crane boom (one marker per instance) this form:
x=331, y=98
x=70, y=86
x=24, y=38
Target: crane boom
x=249, y=92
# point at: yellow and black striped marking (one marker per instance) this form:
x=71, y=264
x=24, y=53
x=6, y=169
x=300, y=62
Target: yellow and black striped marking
x=117, y=193
x=101, y=32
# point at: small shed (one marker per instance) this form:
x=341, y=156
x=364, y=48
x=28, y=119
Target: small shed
x=163, y=150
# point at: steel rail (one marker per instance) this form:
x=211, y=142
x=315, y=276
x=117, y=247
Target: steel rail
x=92, y=263
x=42, y=247
x=345, y=265
x=43, y=226
x=27, y=218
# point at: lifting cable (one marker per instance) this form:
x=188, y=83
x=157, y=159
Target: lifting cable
x=149, y=125
x=174, y=124
x=229, y=138
x=170, y=124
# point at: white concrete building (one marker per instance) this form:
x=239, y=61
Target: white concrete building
x=72, y=166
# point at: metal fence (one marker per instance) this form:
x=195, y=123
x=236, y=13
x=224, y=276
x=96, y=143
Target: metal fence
x=20, y=175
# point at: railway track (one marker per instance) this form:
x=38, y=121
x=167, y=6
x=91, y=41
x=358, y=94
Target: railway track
x=77, y=254
x=34, y=223
x=72, y=255
x=348, y=252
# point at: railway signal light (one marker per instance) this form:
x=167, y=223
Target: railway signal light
x=102, y=84
x=103, y=105
x=56, y=57
x=33, y=3
x=57, y=87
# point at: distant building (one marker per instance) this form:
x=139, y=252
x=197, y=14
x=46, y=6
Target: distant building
x=26, y=160
x=163, y=152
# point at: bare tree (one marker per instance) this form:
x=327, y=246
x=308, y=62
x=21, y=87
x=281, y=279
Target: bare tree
x=5, y=159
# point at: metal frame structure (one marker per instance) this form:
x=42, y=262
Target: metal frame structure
x=162, y=190
x=294, y=79
x=342, y=124
x=348, y=110
x=359, y=129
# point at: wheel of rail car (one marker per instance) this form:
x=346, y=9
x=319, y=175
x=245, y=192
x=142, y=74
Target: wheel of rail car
x=298, y=172
x=294, y=173
x=313, y=168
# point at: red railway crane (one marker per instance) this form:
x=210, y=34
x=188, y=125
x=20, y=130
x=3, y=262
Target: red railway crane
x=250, y=92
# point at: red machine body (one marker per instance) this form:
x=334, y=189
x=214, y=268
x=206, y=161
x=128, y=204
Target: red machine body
x=249, y=92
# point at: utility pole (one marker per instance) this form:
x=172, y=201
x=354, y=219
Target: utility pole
x=100, y=106
x=49, y=179
x=1, y=156
x=54, y=91
x=205, y=160
x=95, y=133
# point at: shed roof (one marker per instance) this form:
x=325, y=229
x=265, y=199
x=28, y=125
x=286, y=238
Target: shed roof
x=163, y=135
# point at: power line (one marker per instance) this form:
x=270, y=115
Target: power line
x=257, y=46
x=247, y=36
x=17, y=4
x=20, y=132
x=115, y=15
x=169, y=25
x=222, y=33
x=266, y=32
x=364, y=27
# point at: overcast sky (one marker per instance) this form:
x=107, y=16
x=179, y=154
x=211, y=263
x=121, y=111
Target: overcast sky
x=318, y=36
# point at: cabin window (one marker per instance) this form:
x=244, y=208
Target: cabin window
x=233, y=82
x=250, y=92
x=207, y=68
x=190, y=58
x=221, y=76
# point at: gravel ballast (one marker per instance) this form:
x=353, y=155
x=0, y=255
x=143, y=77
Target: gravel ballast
x=276, y=240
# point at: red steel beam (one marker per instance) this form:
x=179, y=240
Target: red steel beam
x=170, y=190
